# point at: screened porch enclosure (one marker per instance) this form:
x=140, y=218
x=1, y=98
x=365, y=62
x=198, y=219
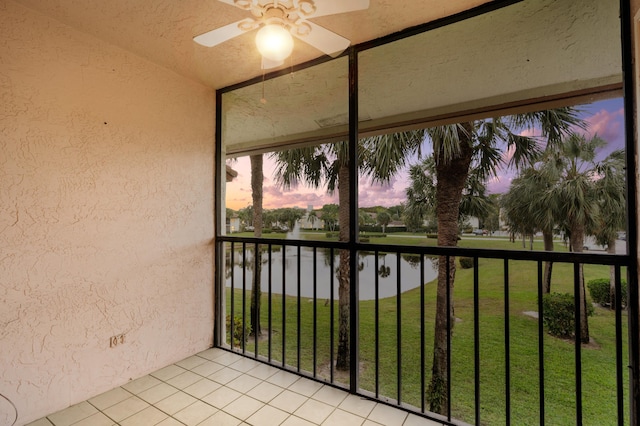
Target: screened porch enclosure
x=357, y=311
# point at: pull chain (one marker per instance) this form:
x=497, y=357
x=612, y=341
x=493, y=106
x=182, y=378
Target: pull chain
x=263, y=100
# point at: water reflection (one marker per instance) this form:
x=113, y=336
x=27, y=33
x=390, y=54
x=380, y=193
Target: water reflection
x=386, y=272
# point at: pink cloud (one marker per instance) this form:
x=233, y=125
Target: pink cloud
x=387, y=194
x=500, y=184
x=275, y=197
x=606, y=124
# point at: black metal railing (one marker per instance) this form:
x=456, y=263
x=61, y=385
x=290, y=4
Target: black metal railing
x=496, y=364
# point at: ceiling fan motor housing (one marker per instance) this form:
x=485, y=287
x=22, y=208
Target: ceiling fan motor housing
x=290, y=15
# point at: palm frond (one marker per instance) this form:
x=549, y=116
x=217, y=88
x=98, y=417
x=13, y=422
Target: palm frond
x=446, y=140
x=381, y=156
x=526, y=150
x=554, y=124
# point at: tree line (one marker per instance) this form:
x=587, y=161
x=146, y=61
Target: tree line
x=285, y=218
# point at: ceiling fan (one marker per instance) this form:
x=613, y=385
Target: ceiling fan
x=285, y=18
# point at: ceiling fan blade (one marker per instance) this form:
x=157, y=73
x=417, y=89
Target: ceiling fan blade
x=324, y=40
x=331, y=7
x=222, y=34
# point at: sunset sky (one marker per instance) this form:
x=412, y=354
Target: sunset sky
x=604, y=118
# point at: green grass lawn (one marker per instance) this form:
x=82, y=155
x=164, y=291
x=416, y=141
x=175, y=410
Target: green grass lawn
x=598, y=358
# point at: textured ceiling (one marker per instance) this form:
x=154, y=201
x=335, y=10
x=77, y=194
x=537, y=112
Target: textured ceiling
x=162, y=30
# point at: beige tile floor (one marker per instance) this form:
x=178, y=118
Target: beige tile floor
x=220, y=388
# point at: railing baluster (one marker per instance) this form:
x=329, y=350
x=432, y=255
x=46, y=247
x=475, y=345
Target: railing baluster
x=476, y=337
x=619, y=366
x=422, y=338
x=377, y=324
x=540, y=345
x=232, y=322
x=269, y=296
x=448, y=280
x=256, y=279
x=578, y=355
x=284, y=305
x=331, y=313
x=244, y=297
x=315, y=311
x=354, y=319
x=299, y=301
x=507, y=346
x=399, y=326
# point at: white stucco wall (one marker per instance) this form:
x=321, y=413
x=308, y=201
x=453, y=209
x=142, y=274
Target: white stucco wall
x=106, y=214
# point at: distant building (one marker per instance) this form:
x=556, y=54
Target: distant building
x=233, y=224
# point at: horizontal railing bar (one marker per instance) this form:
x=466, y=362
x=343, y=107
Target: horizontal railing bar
x=340, y=245
x=532, y=255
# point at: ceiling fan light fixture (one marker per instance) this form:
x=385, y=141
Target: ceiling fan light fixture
x=274, y=42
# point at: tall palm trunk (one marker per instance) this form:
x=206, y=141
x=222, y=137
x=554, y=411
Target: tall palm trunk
x=547, y=237
x=577, y=242
x=257, y=179
x=342, y=359
x=451, y=176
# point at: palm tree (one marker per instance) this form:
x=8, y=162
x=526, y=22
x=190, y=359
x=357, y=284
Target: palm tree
x=379, y=158
x=574, y=197
x=492, y=220
x=611, y=190
x=475, y=202
x=246, y=216
x=312, y=217
x=257, y=179
x=383, y=218
x=526, y=211
x=363, y=218
x=330, y=216
x=421, y=193
x=456, y=148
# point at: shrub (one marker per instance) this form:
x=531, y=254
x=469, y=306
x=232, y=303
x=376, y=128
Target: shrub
x=237, y=329
x=466, y=262
x=559, y=314
x=600, y=293
x=432, y=235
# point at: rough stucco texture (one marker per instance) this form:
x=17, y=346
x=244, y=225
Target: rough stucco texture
x=106, y=215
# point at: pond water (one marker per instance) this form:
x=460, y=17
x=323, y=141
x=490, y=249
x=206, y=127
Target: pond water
x=387, y=273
